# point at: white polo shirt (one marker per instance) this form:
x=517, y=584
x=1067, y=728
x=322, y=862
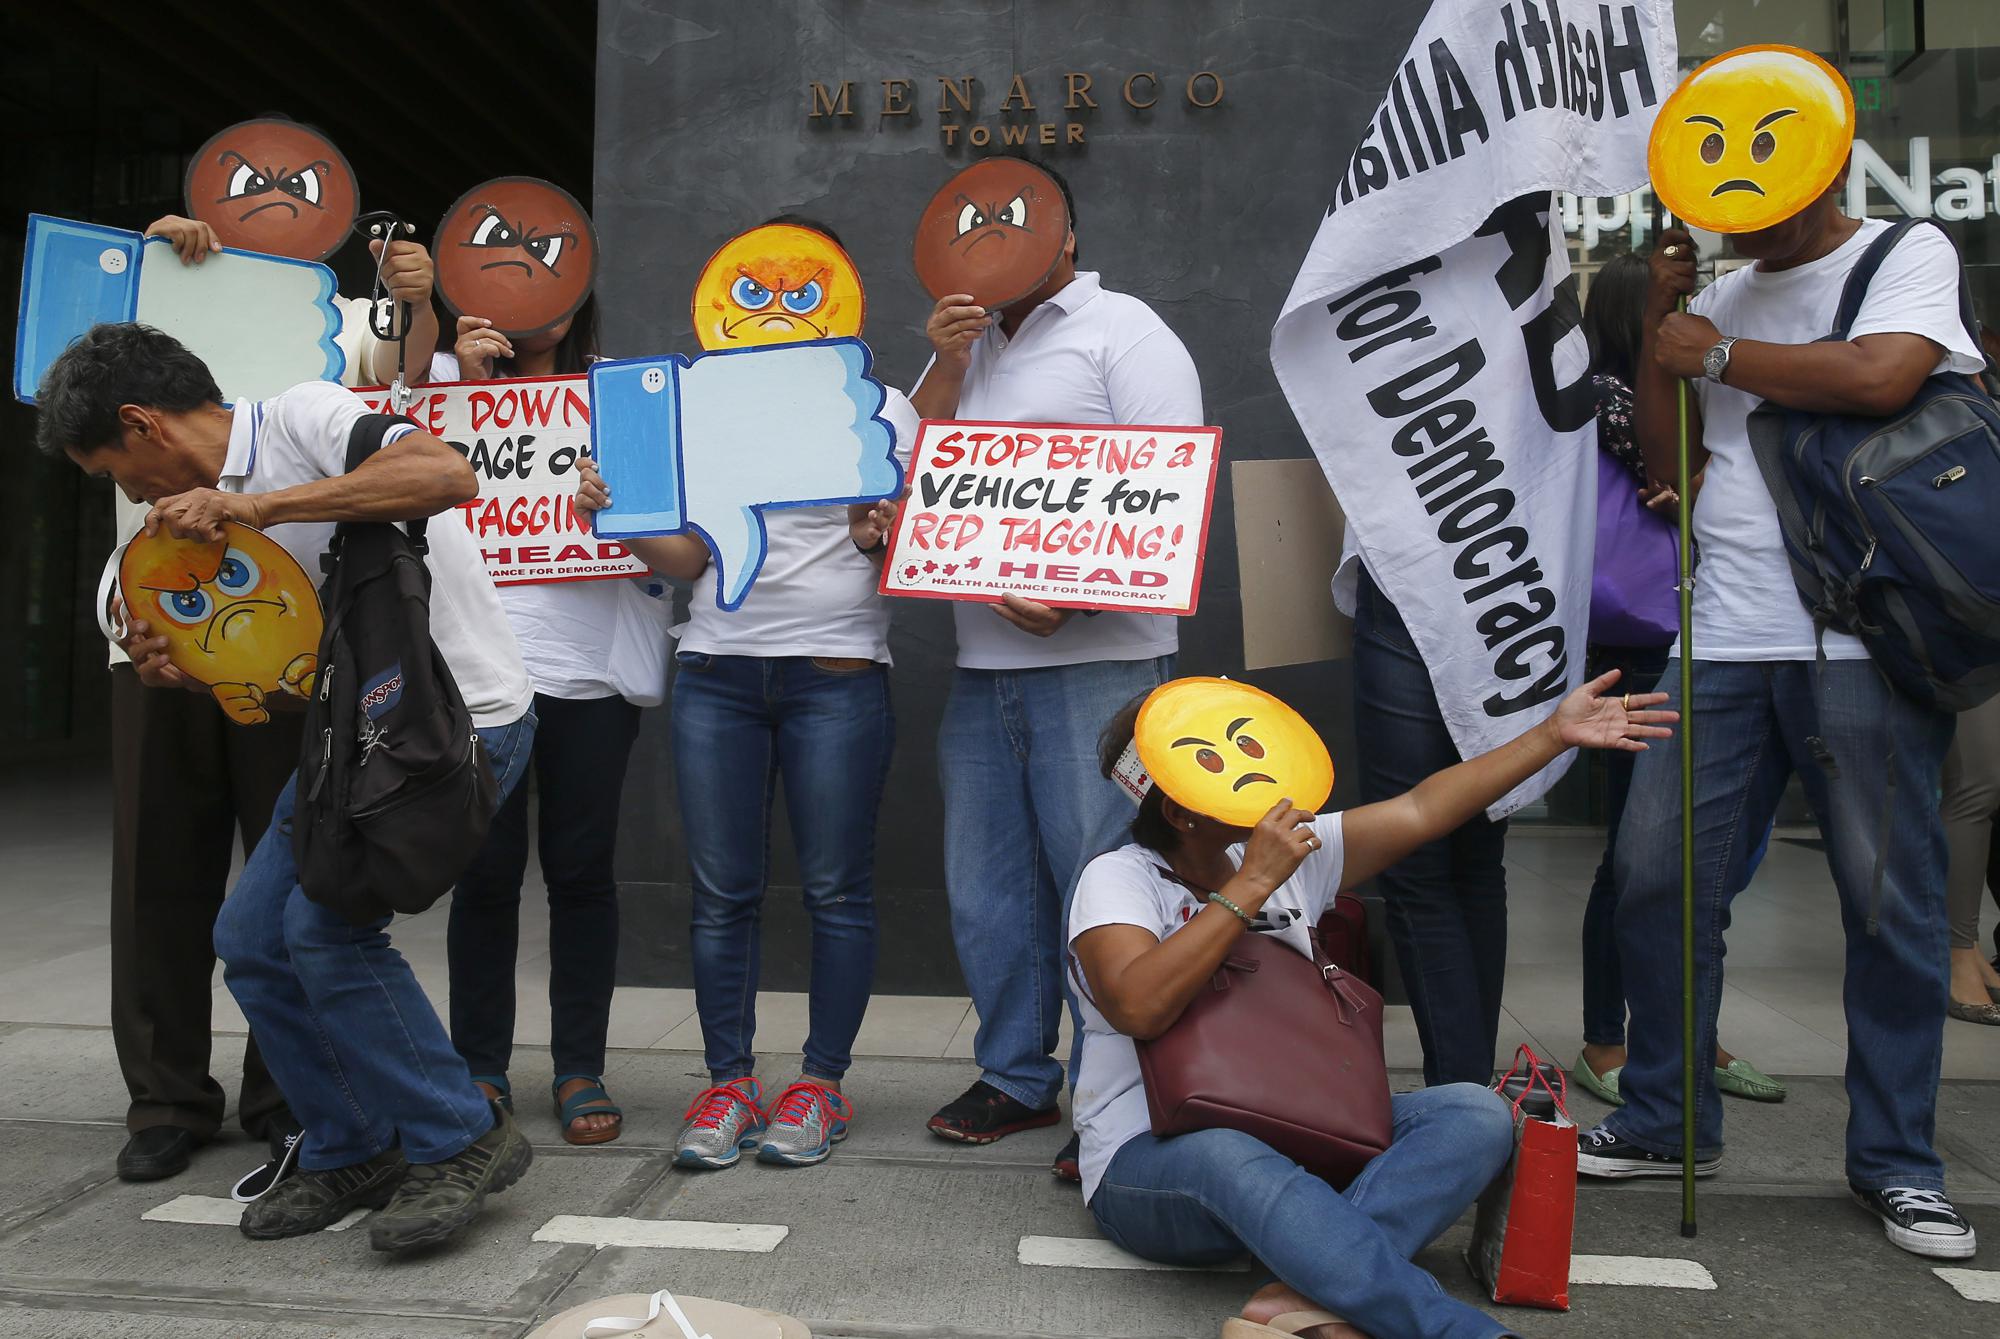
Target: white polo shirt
x=300, y=436
x=1086, y=355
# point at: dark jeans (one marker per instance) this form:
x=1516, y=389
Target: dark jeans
x=1447, y=901
x=581, y=748
x=1603, y=987
x=824, y=729
x=185, y=782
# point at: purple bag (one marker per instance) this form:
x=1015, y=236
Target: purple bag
x=1633, y=596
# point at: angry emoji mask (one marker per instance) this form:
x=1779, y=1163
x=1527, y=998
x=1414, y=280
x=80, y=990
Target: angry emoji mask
x=775, y=285
x=519, y=252
x=1230, y=751
x=274, y=186
x=1751, y=138
x=996, y=231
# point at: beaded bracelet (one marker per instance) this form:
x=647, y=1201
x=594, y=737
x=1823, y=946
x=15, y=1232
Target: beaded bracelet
x=1219, y=900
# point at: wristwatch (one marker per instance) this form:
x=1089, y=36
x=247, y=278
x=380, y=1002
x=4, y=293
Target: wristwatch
x=1716, y=361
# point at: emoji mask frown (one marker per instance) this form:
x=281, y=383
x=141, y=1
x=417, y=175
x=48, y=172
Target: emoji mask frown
x=274, y=186
x=775, y=285
x=996, y=231
x=1230, y=751
x=518, y=251
x=238, y=614
x=1751, y=138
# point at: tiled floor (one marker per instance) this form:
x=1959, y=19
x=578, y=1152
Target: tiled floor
x=1781, y=1005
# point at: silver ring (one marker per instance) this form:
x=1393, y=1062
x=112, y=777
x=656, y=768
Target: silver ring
x=1671, y=252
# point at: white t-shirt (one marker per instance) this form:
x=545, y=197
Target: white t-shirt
x=587, y=639
x=300, y=436
x=816, y=593
x=1746, y=606
x=1085, y=356
x=1133, y=886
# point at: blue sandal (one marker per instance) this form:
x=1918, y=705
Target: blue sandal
x=499, y=1083
x=589, y=1101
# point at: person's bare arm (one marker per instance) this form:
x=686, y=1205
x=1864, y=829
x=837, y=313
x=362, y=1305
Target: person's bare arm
x=1376, y=836
x=954, y=326
x=1141, y=983
x=413, y=477
x=1656, y=391
x=1875, y=375
x=407, y=275
x=681, y=557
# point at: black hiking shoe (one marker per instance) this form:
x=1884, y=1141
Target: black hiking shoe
x=1066, y=1167
x=438, y=1199
x=985, y=1114
x=310, y=1201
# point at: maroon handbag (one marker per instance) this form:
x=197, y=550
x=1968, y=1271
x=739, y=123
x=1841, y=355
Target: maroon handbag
x=1282, y=1047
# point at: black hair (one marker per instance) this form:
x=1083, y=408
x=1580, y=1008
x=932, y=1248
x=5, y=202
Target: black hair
x=806, y=221
x=1150, y=827
x=1062, y=184
x=577, y=349
x=111, y=365
x=1614, y=314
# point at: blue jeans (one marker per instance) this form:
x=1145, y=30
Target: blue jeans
x=1447, y=900
x=742, y=725
x=1207, y=1197
x=1754, y=724
x=1603, y=986
x=348, y=1033
x=1025, y=809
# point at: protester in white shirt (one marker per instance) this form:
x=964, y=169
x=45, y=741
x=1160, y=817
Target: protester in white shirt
x=392, y=1118
x=1152, y=923
x=1864, y=752
x=1024, y=808
x=790, y=688
x=597, y=652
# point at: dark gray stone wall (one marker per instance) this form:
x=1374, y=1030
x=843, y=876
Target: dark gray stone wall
x=703, y=130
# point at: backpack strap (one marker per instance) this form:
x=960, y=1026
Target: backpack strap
x=1855, y=292
x=364, y=439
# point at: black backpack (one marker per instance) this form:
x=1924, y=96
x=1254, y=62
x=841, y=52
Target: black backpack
x=394, y=790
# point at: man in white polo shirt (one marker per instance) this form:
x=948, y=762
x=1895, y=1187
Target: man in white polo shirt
x=1025, y=806
x=392, y=1118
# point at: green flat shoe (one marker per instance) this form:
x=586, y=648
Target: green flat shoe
x=1603, y=1087
x=1743, y=1079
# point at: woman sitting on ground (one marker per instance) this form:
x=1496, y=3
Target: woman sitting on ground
x=1153, y=921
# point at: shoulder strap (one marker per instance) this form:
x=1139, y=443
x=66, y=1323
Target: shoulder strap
x=364, y=439
x=1856, y=290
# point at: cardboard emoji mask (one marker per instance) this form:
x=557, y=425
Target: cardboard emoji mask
x=776, y=285
x=274, y=186
x=519, y=252
x=239, y=614
x=1230, y=751
x=996, y=231
x=1751, y=138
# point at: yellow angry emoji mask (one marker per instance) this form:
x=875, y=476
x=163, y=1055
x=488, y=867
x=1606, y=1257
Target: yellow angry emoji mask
x=1230, y=751
x=238, y=613
x=1751, y=138
x=777, y=284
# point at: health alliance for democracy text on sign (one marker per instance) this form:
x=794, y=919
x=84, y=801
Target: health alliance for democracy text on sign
x=1077, y=516
x=524, y=438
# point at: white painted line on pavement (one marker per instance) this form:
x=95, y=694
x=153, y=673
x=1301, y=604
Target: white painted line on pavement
x=1096, y=1253
x=214, y=1211
x=1640, y=1271
x=1974, y=1285
x=662, y=1233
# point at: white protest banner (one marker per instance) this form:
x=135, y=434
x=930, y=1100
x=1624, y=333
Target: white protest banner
x=524, y=438
x=1076, y=516
x=1430, y=349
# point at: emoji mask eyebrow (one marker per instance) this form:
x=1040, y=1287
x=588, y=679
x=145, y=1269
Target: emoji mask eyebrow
x=1178, y=743
x=1705, y=120
x=1777, y=116
x=1234, y=726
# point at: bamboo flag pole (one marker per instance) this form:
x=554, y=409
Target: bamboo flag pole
x=1681, y=486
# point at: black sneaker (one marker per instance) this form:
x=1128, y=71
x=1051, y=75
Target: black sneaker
x=1066, y=1167
x=438, y=1199
x=283, y=1162
x=310, y=1201
x=1922, y=1222
x=1602, y=1153
x=985, y=1114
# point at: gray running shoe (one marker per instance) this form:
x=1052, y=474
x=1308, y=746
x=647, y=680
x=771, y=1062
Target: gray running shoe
x=438, y=1199
x=808, y=1120
x=721, y=1122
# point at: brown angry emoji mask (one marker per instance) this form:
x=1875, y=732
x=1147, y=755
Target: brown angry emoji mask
x=996, y=231
x=275, y=186
x=517, y=251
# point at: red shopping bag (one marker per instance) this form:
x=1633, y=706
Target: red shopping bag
x=1521, y=1237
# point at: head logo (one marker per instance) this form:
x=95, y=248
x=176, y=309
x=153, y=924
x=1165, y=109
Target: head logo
x=381, y=693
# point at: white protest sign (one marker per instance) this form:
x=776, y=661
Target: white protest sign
x=1076, y=516
x=1430, y=349
x=524, y=438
